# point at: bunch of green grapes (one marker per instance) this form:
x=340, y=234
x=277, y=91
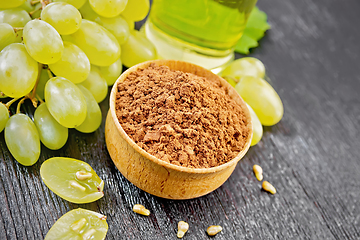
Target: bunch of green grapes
x=63, y=55
x=265, y=106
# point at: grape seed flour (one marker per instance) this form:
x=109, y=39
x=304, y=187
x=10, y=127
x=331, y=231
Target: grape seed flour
x=181, y=118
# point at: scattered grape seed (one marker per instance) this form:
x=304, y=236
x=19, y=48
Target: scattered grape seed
x=268, y=187
x=258, y=172
x=78, y=225
x=140, y=209
x=83, y=175
x=182, y=229
x=213, y=230
x=77, y=185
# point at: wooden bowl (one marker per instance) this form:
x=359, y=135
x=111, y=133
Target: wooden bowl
x=158, y=177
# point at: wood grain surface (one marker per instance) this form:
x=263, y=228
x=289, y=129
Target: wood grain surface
x=312, y=56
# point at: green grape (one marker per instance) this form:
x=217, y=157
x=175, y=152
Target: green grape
x=87, y=12
x=130, y=23
x=230, y=80
x=17, y=18
x=18, y=71
x=10, y=3
x=72, y=180
x=99, y=45
x=22, y=139
x=136, y=10
x=246, y=66
x=4, y=116
x=2, y=95
x=44, y=77
x=52, y=134
x=65, y=102
x=96, y=84
x=73, y=65
x=79, y=224
x=42, y=42
x=93, y=116
x=112, y=72
x=76, y=3
x=108, y=8
x=7, y=35
x=37, y=11
x=257, y=127
x=64, y=17
x=117, y=26
x=27, y=6
x=137, y=49
x=262, y=98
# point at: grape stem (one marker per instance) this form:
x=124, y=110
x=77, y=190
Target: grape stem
x=39, y=99
x=34, y=2
x=33, y=94
x=8, y=104
x=16, y=29
x=19, y=104
x=44, y=3
x=49, y=73
x=33, y=12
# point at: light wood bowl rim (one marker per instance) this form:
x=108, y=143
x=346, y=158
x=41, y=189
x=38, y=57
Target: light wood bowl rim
x=157, y=160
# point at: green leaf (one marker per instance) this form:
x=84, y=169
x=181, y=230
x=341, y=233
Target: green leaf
x=258, y=20
x=255, y=29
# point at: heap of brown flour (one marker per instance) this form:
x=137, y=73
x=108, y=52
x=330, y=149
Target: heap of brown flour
x=181, y=118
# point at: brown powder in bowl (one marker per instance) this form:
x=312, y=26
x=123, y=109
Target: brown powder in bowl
x=181, y=118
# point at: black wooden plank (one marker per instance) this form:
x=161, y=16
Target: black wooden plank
x=312, y=58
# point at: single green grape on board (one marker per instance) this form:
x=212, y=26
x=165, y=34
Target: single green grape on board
x=79, y=224
x=72, y=180
x=247, y=66
x=257, y=127
x=262, y=98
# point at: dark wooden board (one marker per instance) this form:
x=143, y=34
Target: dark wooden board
x=312, y=56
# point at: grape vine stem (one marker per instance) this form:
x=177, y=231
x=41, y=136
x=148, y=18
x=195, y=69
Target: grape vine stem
x=16, y=29
x=19, y=104
x=34, y=2
x=8, y=104
x=33, y=94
